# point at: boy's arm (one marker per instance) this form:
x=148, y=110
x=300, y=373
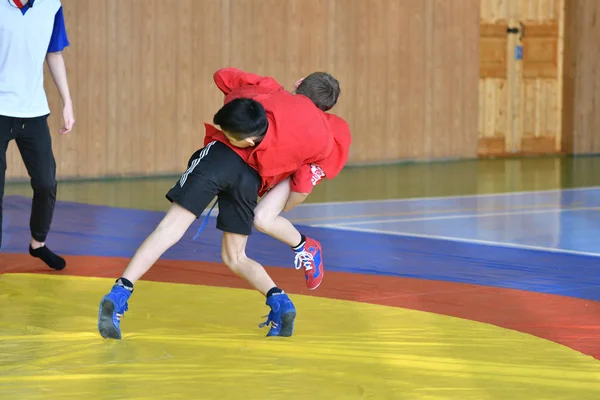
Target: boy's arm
x=56, y=65
x=229, y=79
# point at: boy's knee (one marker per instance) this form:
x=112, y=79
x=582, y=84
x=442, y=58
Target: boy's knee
x=234, y=261
x=263, y=220
x=233, y=252
x=44, y=187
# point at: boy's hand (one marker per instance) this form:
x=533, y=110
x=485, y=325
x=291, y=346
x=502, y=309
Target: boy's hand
x=68, y=119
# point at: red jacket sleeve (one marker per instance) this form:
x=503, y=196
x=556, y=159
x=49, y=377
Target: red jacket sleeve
x=229, y=79
x=306, y=178
x=336, y=160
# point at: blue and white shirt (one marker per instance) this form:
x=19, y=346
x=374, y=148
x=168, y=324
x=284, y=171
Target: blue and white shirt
x=26, y=36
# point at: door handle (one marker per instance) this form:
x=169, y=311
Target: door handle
x=515, y=30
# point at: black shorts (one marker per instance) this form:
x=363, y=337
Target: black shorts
x=216, y=170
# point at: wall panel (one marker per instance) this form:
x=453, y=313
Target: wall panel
x=141, y=75
x=581, y=118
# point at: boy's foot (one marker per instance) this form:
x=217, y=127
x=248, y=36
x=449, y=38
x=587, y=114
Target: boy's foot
x=51, y=259
x=282, y=315
x=112, y=308
x=308, y=256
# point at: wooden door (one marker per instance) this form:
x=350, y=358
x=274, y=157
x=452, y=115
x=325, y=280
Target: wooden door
x=520, y=81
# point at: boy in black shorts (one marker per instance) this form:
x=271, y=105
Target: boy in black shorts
x=212, y=171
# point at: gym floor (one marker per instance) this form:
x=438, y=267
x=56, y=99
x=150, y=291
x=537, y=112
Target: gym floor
x=450, y=280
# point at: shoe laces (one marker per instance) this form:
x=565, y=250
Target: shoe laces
x=304, y=259
x=121, y=315
x=268, y=321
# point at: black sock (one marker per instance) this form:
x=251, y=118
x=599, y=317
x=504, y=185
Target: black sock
x=126, y=283
x=273, y=291
x=302, y=241
x=46, y=255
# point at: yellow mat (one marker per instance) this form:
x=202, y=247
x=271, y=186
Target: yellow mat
x=198, y=342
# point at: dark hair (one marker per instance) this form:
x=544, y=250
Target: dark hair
x=322, y=88
x=242, y=118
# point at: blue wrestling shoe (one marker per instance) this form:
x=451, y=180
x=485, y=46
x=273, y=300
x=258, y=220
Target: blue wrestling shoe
x=282, y=315
x=112, y=308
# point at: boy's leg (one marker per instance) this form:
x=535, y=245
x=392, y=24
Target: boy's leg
x=35, y=145
x=308, y=251
x=6, y=135
x=236, y=217
x=168, y=232
x=282, y=315
x=191, y=194
x=233, y=253
x=267, y=218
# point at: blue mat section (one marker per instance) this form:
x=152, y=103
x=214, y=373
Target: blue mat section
x=571, y=230
x=81, y=229
x=559, y=219
x=435, y=207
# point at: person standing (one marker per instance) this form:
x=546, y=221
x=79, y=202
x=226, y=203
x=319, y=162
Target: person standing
x=31, y=32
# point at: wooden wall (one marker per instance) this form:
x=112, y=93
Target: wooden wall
x=581, y=121
x=140, y=74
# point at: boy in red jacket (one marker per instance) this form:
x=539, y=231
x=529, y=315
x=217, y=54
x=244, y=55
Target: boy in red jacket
x=323, y=90
x=272, y=133
x=292, y=192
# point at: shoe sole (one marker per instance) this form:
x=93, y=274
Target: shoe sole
x=105, y=322
x=318, y=284
x=287, y=324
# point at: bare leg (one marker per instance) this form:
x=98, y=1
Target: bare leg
x=268, y=220
x=167, y=233
x=233, y=252
x=283, y=312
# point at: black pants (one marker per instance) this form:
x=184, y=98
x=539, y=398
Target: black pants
x=32, y=136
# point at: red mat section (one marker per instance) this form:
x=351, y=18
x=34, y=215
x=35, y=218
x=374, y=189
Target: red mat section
x=572, y=322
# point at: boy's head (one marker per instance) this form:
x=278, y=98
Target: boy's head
x=243, y=121
x=322, y=88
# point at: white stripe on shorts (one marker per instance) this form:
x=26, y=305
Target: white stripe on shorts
x=195, y=163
